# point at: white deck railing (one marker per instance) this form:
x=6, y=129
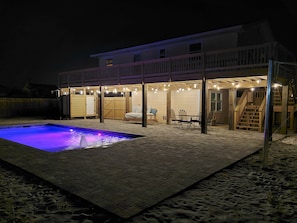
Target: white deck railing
x=185, y=67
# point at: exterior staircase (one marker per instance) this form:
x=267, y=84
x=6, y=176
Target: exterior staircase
x=250, y=118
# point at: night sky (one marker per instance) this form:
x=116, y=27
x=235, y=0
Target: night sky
x=38, y=41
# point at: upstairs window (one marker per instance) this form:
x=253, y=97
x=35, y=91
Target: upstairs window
x=162, y=53
x=137, y=57
x=108, y=62
x=216, y=101
x=195, y=48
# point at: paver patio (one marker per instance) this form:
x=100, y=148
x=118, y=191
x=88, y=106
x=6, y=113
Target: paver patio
x=130, y=176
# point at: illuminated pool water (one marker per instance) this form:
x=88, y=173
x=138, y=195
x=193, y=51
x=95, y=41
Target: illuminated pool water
x=57, y=138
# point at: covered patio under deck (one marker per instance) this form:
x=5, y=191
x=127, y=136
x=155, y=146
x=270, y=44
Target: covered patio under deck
x=226, y=66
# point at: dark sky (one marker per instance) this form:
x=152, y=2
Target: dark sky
x=40, y=40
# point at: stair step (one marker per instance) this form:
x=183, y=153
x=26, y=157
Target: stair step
x=250, y=118
x=251, y=109
x=248, y=127
x=248, y=124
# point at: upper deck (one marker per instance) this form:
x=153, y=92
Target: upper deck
x=236, y=62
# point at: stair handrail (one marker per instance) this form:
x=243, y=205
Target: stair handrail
x=240, y=107
x=262, y=114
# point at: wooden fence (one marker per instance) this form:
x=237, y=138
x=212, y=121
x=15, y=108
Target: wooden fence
x=18, y=107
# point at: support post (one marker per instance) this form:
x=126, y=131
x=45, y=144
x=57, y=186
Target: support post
x=268, y=115
x=204, y=109
x=69, y=103
x=144, y=105
x=101, y=105
x=168, y=108
x=232, y=96
x=284, y=115
x=127, y=101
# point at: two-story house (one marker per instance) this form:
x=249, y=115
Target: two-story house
x=220, y=72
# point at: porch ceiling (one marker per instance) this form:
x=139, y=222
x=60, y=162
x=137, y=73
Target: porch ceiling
x=238, y=82
x=219, y=83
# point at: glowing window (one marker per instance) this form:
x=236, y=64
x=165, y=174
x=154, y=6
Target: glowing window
x=108, y=62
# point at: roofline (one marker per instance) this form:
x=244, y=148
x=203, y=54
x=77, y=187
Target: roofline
x=169, y=41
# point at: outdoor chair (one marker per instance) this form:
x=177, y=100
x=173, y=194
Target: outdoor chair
x=183, y=118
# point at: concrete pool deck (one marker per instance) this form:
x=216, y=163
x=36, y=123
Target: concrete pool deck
x=130, y=176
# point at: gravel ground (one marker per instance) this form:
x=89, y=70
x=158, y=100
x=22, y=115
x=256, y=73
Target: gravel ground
x=244, y=192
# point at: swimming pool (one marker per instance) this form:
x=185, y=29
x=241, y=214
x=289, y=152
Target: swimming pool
x=57, y=138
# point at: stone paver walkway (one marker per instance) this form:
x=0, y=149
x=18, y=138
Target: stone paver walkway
x=128, y=177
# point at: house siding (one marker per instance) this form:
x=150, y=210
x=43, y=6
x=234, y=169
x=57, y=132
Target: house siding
x=180, y=46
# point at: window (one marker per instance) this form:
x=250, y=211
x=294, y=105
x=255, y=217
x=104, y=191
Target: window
x=108, y=62
x=216, y=101
x=137, y=57
x=162, y=53
x=195, y=48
